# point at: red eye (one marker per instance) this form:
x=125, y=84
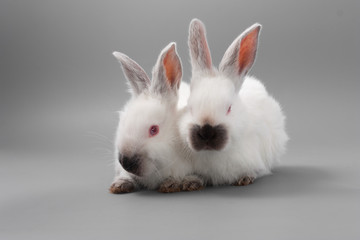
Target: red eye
x=153, y=130
x=229, y=110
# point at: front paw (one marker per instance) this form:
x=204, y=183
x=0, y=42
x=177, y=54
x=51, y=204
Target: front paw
x=122, y=186
x=192, y=183
x=244, y=181
x=170, y=185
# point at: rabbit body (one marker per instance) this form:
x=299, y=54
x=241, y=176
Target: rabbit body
x=256, y=140
x=148, y=147
x=233, y=128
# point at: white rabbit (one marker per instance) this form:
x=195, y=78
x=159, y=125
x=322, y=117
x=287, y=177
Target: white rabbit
x=234, y=129
x=148, y=146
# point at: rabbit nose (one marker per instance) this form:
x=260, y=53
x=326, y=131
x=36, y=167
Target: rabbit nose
x=130, y=164
x=208, y=137
x=207, y=132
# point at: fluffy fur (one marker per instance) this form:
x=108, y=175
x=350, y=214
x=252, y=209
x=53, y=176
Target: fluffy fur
x=253, y=119
x=153, y=102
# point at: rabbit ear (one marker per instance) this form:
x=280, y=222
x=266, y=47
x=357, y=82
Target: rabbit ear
x=167, y=72
x=240, y=56
x=199, y=49
x=136, y=76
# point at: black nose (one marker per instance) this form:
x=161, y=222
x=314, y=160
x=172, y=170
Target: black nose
x=208, y=137
x=130, y=164
x=207, y=132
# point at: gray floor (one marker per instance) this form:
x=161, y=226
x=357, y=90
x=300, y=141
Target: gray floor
x=312, y=195
x=60, y=88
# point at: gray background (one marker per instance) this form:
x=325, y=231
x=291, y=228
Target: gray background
x=61, y=87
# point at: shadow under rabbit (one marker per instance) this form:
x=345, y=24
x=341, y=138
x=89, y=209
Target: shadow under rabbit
x=286, y=181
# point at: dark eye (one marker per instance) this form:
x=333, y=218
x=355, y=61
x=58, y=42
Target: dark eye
x=229, y=110
x=153, y=130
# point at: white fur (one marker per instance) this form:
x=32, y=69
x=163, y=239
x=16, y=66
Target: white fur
x=256, y=127
x=149, y=107
x=256, y=124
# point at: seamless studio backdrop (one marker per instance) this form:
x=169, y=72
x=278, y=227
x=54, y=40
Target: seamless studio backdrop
x=60, y=90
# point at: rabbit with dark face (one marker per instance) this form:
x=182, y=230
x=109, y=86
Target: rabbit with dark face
x=234, y=129
x=149, y=152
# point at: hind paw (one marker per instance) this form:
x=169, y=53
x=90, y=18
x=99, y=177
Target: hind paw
x=244, y=181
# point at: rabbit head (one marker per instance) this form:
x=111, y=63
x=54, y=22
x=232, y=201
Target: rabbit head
x=147, y=123
x=213, y=100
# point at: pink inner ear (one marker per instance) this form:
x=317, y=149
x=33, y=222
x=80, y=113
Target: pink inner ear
x=172, y=68
x=247, y=52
